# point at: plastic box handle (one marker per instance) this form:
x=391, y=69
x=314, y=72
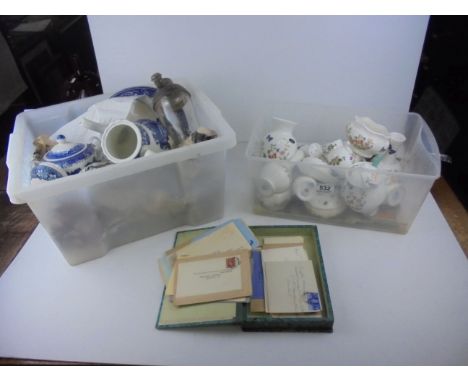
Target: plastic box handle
x=13, y=162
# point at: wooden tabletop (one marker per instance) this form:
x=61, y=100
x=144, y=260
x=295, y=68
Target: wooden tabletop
x=17, y=222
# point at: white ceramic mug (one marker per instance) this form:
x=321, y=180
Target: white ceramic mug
x=274, y=178
x=125, y=140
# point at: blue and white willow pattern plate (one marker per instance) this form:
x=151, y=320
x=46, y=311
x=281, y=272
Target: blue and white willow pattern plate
x=135, y=91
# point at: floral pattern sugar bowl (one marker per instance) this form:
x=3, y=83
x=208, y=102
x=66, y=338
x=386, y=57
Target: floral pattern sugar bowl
x=65, y=158
x=367, y=138
x=280, y=143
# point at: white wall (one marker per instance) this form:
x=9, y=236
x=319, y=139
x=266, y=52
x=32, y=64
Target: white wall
x=241, y=62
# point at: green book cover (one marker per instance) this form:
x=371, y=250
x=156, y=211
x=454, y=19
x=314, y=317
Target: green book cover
x=231, y=313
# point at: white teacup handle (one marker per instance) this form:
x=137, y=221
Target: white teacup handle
x=304, y=188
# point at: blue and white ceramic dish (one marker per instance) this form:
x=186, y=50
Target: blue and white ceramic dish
x=71, y=157
x=158, y=132
x=135, y=91
x=47, y=171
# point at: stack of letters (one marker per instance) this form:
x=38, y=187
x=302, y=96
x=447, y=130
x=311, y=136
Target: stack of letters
x=261, y=278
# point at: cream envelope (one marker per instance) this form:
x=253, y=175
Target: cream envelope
x=212, y=278
x=291, y=287
x=283, y=240
x=284, y=254
x=227, y=238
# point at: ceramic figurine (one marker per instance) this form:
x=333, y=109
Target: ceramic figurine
x=367, y=138
x=174, y=110
x=280, y=143
x=42, y=144
x=202, y=134
x=125, y=140
x=70, y=157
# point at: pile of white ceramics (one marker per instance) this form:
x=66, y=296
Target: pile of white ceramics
x=332, y=176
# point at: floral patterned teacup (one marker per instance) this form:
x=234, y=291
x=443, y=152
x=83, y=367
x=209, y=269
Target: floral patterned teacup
x=341, y=156
x=329, y=147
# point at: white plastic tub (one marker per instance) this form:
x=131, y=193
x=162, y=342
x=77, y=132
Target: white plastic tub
x=323, y=124
x=90, y=213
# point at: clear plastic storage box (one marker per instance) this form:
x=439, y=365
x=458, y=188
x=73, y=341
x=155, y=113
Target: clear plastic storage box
x=90, y=213
x=329, y=199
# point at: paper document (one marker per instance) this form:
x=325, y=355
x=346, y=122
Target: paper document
x=227, y=238
x=280, y=240
x=212, y=278
x=290, y=287
x=284, y=254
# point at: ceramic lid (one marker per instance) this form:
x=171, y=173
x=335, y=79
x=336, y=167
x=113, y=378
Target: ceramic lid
x=64, y=150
